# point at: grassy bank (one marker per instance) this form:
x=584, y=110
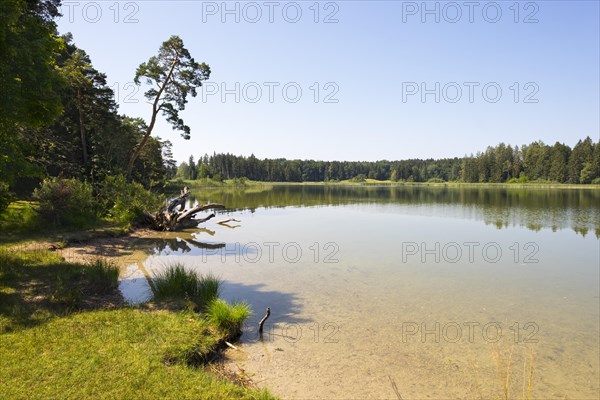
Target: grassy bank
x=65, y=333
x=20, y=223
x=124, y=353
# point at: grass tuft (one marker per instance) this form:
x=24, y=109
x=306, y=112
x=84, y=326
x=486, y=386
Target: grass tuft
x=177, y=282
x=102, y=275
x=228, y=318
x=209, y=289
x=174, y=282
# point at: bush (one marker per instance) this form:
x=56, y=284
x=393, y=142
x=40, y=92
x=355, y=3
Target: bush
x=66, y=202
x=5, y=196
x=176, y=282
x=521, y=179
x=229, y=318
x=125, y=202
x=359, y=178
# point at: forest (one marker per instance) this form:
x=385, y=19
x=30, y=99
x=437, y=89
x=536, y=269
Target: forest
x=535, y=162
x=61, y=129
x=64, y=143
x=59, y=117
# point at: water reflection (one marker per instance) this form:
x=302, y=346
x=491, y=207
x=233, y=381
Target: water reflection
x=533, y=208
x=166, y=246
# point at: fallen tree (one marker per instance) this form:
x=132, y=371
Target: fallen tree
x=174, y=217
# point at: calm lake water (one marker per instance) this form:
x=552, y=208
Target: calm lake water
x=433, y=292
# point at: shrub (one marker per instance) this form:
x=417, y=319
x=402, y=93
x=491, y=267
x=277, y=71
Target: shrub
x=521, y=179
x=66, y=202
x=125, y=202
x=359, y=178
x=229, y=318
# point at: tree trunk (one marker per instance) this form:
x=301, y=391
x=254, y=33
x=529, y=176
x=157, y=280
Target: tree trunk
x=173, y=217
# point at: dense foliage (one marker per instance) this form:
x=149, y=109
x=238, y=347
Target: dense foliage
x=71, y=202
x=66, y=202
x=503, y=163
x=124, y=201
x=58, y=116
x=29, y=83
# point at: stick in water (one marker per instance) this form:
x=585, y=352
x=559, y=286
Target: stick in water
x=262, y=321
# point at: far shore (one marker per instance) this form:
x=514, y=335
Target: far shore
x=241, y=183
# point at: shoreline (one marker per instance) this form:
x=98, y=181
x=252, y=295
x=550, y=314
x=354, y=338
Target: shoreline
x=231, y=184
x=86, y=247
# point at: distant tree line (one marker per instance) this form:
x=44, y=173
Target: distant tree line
x=502, y=163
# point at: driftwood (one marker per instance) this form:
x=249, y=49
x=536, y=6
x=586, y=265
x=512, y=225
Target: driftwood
x=174, y=217
x=262, y=321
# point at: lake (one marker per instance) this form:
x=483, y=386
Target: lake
x=417, y=291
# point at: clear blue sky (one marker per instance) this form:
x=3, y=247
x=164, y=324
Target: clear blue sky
x=375, y=59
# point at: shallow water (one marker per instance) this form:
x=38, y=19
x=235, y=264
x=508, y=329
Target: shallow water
x=437, y=292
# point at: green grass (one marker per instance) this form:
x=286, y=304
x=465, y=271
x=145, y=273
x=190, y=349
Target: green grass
x=37, y=285
x=62, y=336
x=118, y=354
x=20, y=216
x=20, y=224
x=103, y=275
x=229, y=318
x=175, y=282
x=209, y=288
x=178, y=283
